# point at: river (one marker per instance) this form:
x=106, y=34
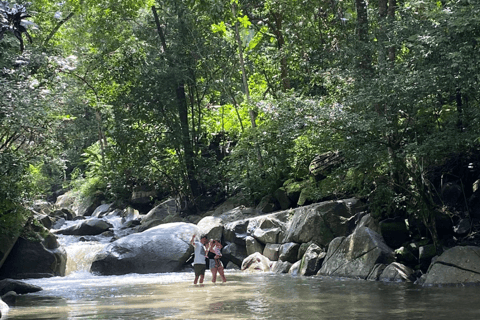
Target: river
x=82, y=295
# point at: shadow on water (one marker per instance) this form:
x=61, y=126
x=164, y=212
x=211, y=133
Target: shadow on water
x=245, y=296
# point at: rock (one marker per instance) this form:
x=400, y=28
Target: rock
x=405, y=255
x=10, y=298
x=271, y=251
x=235, y=253
x=281, y=196
x=267, y=229
x=267, y=204
x=63, y=213
x=323, y=163
x=17, y=286
x=42, y=207
x=454, y=266
x=463, y=227
x=425, y=255
x=394, y=231
x=355, y=256
x=322, y=222
x=161, y=211
x=312, y=260
x=376, y=272
x=232, y=266
x=59, y=223
x=397, y=272
x=101, y=210
x=35, y=259
x=86, y=206
x=295, y=268
x=281, y=266
x=212, y=227
x=90, y=227
x=302, y=249
x=252, y=245
x=256, y=262
x=369, y=222
x=164, y=248
x=289, y=252
x=236, y=232
x=44, y=220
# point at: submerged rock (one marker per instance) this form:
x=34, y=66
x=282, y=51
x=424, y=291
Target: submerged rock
x=164, y=248
x=90, y=227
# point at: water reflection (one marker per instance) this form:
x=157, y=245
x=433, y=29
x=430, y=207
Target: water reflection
x=245, y=296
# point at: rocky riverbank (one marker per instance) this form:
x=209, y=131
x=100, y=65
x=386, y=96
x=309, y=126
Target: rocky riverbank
x=334, y=238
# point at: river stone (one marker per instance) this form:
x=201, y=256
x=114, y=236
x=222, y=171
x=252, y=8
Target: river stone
x=235, y=253
x=355, y=256
x=212, y=227
x=35, y=259
x=312, y=260
x=164, y=248
x=256, y=262
x=161, y=211
x=454, y=266
x=271, y=251
x=289, y=252
x=236, y=232
x=295, y=268
x=101, y=210
x=89, y=227
x=281, y=266
x=397, y=272
x=322, y=222
x=253, y=245
x=17, y=286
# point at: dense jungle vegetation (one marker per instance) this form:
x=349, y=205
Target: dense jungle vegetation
x=203, y=99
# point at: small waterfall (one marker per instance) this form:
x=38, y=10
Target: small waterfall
x=80, y=254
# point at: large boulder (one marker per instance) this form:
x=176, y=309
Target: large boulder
x=212, y=227
x=17, y=286
x=355, y=256
x=164, y=248
x=454, y=266
x=234, y=253
x=269, y=228
x=281, y=266
x=322, y=222
x=289, y=252
x=236, y=232
x=160, y=212
x=35, y=259
x=92, y=227
x=256, y=262
x=397, y=272
x=312, y=260
x=253, y=245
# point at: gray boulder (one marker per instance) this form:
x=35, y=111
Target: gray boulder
x=312, y=260
x=355, y=256
x=35, y=259
x=271, y=251
x=90, y=227
x=289, y=252
x=160, y=212
x=17, y=286
x=294, y=269
x=164, y=248
x=253, y=245
x=454, y=266
x=236, y=232
x=234, y=253
x=397, y=272
x=212, y=227
x=267, y=229
x=281, y=266
x=101, y=210
x=322, y=222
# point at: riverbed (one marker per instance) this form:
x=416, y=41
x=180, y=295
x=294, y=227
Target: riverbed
x=245, y=296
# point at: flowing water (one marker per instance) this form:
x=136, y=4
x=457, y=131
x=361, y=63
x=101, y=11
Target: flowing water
x=81, y=295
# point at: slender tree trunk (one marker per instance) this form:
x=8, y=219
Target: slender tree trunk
x=365, y=60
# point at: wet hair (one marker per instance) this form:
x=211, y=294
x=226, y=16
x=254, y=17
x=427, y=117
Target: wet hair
x=203, y=236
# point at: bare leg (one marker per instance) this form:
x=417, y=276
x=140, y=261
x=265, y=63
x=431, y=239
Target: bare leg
x=222, y=274
x=196, y=279
x=201, y=278
x=214, y=275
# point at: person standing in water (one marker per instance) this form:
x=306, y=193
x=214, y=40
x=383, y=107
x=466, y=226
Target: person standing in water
x=216, y=265
x=199, y=258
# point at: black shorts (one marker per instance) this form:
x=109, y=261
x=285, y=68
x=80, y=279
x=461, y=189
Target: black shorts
x=199, y=269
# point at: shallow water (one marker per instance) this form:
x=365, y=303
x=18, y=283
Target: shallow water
x=245, y=296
